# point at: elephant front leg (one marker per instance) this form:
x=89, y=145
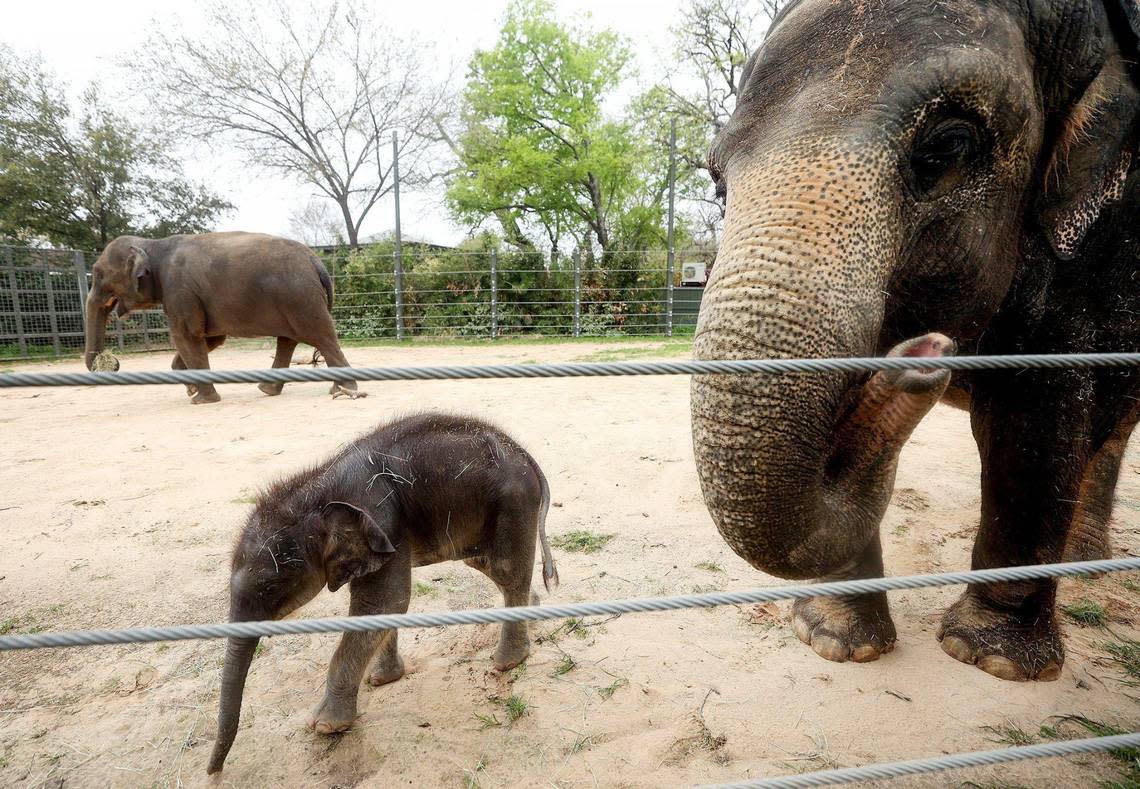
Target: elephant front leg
x=1034, y=437
x=193, y=354
x=387, y=591
x=178, y=364
x=851, y=627
x=868, y=440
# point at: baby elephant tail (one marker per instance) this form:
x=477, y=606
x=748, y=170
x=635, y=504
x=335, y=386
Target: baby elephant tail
x=549, y=570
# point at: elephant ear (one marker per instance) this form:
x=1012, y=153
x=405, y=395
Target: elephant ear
x=357, y=543
x=139, y=262
x=1093, y=135
x=1131, y=9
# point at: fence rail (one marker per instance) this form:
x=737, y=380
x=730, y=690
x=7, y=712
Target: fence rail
x=422, y=291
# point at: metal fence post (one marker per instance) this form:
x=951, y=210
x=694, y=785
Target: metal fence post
x=21, y=340
x=577, y=292
x=53, y=319
x=80, y=264
x=81, y=281
x=671, y=257
x=399, y=241
x=494, y=294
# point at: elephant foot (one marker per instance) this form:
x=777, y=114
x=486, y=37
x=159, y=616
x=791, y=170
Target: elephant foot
x=271, y=389
x=332, y=717
x=512, y=651
x=1015, y=647
x=855, y=628
x=204, y=396
x=386, y=670
x=341, y=391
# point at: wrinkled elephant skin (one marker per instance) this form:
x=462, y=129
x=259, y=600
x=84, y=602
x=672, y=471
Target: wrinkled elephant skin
x=897, y=174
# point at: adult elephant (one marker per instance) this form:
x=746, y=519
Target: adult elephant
x=896, y=168
x=217, y=285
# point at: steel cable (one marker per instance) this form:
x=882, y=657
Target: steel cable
x=536, y=613
x=574, y=370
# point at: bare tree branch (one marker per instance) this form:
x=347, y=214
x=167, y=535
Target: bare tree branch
x=315, y=97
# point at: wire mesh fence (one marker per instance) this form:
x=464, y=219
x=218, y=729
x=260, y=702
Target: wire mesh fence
x=440, y=292
x=490, y=293
x=42, y=295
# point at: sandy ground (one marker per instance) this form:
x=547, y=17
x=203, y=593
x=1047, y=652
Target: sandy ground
x=118, y=507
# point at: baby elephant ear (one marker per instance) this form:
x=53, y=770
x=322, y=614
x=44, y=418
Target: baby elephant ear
x=374, y=536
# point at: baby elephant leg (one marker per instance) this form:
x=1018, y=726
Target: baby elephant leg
x=510, y=565
x=389, y=666
x=385, y=592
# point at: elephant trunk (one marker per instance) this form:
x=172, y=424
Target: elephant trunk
x=94, y=329
x=239, y=654
x=797, y=469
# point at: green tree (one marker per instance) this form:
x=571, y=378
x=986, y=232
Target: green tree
x=712, y=40
x=78, y=178
x=537, y=152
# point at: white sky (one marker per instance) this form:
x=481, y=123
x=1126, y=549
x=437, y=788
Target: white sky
x=81, y=40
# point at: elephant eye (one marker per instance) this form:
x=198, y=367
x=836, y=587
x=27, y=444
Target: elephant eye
x=942, y=151
x=718, y=182
x=721, y=190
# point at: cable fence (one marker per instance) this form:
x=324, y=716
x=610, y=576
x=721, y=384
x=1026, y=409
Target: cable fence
x=488, y=616
x=957, y=761
x=493, y=293
x=575, y=370
x=441, y=292
x=146, y=634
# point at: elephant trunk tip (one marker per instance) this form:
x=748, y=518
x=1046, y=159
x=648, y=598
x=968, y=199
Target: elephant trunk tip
x=218, y=758
x=239, y=654
x=933, y=345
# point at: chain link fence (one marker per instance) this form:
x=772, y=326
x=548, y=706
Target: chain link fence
x=422, y=291
x=42, y=294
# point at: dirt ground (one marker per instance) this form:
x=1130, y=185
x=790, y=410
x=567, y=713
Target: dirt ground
x=118, y=507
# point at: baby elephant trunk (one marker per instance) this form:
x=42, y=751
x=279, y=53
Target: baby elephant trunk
x=239, y=654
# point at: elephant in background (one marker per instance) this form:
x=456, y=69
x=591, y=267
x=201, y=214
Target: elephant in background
x=217, y=285
x=914, y=175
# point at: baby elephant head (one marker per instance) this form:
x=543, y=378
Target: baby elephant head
x=282, y=560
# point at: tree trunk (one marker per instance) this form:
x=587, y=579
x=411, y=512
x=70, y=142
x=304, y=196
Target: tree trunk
x=349, y=225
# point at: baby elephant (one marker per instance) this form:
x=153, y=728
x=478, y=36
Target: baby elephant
x=417, y=491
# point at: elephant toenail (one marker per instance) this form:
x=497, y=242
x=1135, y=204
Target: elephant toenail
x=958, y=649
x=830, y=648
x=1002, y=668
x=802, y=629
x=865, y=653
x=1051, y=673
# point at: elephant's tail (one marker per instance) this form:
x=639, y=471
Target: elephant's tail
x=549, y=570
x=326, y=282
